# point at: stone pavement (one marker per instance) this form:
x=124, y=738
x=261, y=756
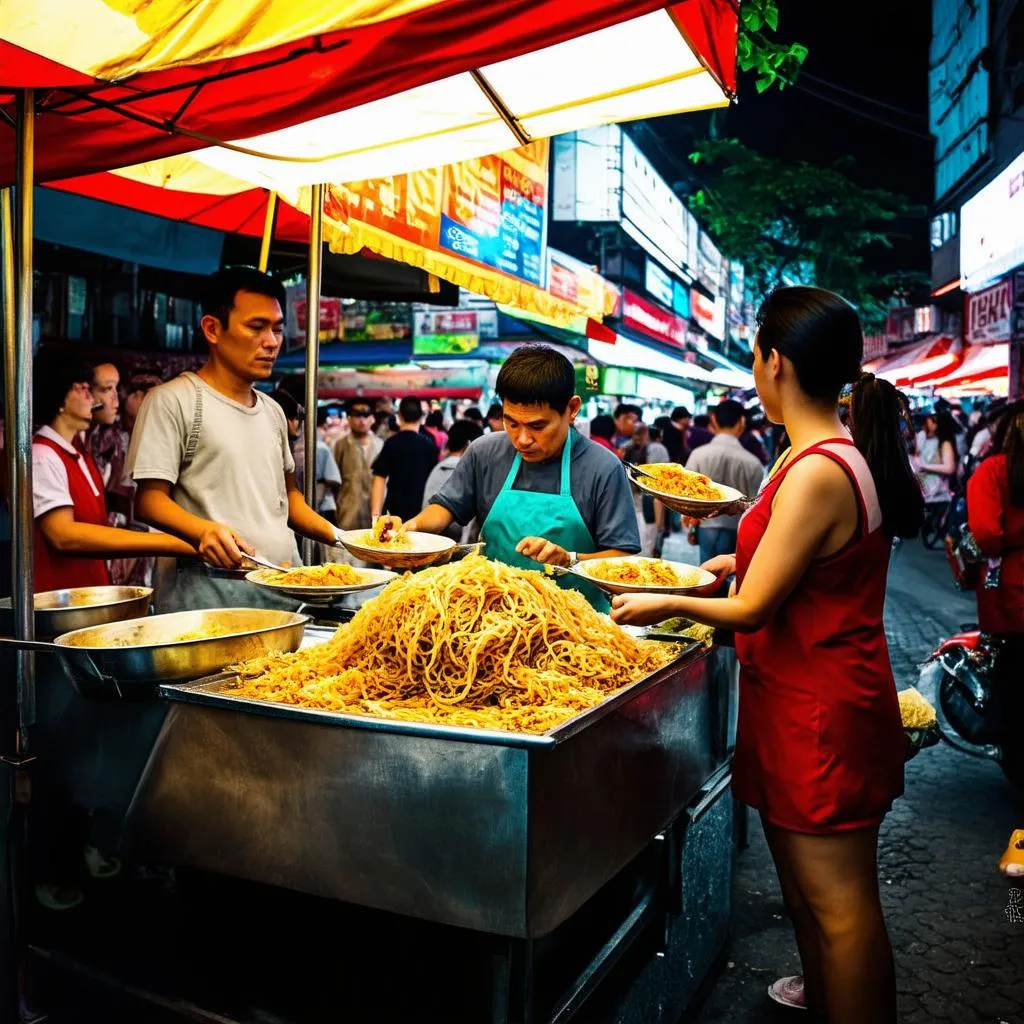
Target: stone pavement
x=958, y=956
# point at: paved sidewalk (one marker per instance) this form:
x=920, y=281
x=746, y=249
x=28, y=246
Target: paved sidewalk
x=958, y=956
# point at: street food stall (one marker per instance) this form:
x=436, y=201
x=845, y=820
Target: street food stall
x=566, y=860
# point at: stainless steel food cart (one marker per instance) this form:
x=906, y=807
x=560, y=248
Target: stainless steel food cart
x=515, y=838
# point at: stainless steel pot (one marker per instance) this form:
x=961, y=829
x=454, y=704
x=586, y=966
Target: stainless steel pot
x=61, y=611
x=128, y=659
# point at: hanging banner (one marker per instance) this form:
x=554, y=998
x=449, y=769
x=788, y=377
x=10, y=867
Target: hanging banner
x=645, y=317
x=989, y=314
x=570, y=279
x=491, y=211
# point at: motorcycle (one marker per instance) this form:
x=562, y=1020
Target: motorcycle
x=960, y=679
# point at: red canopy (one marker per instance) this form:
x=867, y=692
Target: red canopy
x=85, y=128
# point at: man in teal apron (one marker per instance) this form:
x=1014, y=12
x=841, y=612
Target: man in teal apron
x=543, y=492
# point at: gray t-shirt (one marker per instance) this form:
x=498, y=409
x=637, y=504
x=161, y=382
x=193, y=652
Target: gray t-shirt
x=598, y=483
x=236, y=475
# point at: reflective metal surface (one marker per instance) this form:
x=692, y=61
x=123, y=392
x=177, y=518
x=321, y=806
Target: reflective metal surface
x=496, y=832
x=313, y=278
x=61, y=611
x=127, y=659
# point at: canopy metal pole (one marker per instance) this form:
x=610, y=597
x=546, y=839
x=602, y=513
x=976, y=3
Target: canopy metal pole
x=313, y=277
x=18, y=417
x=268, y=230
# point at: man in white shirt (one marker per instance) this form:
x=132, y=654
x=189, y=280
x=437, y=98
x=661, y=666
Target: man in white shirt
x=727, y=462
x=210, y=454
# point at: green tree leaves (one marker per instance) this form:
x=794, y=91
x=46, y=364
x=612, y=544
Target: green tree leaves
x=773, y=63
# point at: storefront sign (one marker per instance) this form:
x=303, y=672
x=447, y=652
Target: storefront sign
x=330, y=318
x=708, y=313
x=709, y=264
x=651, y=207
x=574, y=281
x=657, y=282
x=736, y=312
x=491, y=210
x=899, y=323
x=992, y=228
x=681, y=299
x=1018, y=306
x=645, y=317
x=376, y=321
x=989, y=314
x=445, y=332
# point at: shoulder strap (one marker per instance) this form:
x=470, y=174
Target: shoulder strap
x=192, y=442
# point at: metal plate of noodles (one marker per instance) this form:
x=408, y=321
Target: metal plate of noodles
x=423, y=549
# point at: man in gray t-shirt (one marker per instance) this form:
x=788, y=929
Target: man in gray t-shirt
x=210, y=454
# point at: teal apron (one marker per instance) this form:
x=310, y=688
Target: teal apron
x=555, y=517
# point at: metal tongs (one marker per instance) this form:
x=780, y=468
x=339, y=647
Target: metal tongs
x=634, y=471
x=264, y=563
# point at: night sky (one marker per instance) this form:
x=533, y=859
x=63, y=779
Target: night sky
x=874, y=48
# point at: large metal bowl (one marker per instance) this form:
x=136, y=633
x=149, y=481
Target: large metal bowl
x=126, y=659
x=61, y=611
x=424, y=549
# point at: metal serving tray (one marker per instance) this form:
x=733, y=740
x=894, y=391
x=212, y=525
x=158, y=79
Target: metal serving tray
x=499, y=832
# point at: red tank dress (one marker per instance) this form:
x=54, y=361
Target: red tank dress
x=819, y=742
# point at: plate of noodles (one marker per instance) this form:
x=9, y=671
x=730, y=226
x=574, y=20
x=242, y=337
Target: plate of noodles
x=320, y=583
x=638, y=575
x=690, y=494
x=398, y=550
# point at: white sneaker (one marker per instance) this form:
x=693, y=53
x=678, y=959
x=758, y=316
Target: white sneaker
x=788, y=992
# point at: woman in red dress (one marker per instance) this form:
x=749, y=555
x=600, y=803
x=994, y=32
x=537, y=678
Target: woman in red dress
x=819, y=745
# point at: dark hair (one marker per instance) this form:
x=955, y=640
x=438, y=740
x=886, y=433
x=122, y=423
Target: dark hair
x=729, y=413
x=946, y=428
x=474, y=414
x=322, y=415
x=410, y=410
x=292, y=409
x=702, y=422
x=625, y=408
x=680, y=412
x=819, y=332
x=537, y=375
x=878, y=414
x=436, y=420
x=53, y=376
x=358, y=403
x=1009, y=439
x=108, y=362
x=664, y=423
x=602, y=426
x=462, y=432
x=392, y=422
x=494, y=411
x=220, y=288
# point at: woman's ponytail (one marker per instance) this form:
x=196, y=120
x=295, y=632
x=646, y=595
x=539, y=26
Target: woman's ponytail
x=878, y=413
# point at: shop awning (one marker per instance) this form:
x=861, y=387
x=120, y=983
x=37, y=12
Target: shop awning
x=739, y=376
x=982, y=367
x=378, y=85
x=631, y=355
x=922, y=362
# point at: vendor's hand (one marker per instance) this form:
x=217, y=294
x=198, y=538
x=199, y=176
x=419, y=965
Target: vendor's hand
x=222, y=547
x=409, y=526
x=541, y=550
x=639, y=609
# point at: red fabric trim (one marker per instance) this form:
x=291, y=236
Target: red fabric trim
x=711, y=28
x=242, y=213
x=386, y=392
x=303, y=80
x=23, y=69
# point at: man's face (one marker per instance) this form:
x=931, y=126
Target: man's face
x=626, y=423
x=105, y=380
x=538, y=432
x=496, y=423
x=360, y=420
x=250, y=343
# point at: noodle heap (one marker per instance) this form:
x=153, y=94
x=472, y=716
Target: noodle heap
x=383, y=535
x=673, y=479
x=648, y=572
x=334, y=574
x=473, y=643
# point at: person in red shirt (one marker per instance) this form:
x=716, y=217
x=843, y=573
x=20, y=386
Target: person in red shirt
x=602, y=432
x=995, y=516
x=72, y=540
x=820, y=744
